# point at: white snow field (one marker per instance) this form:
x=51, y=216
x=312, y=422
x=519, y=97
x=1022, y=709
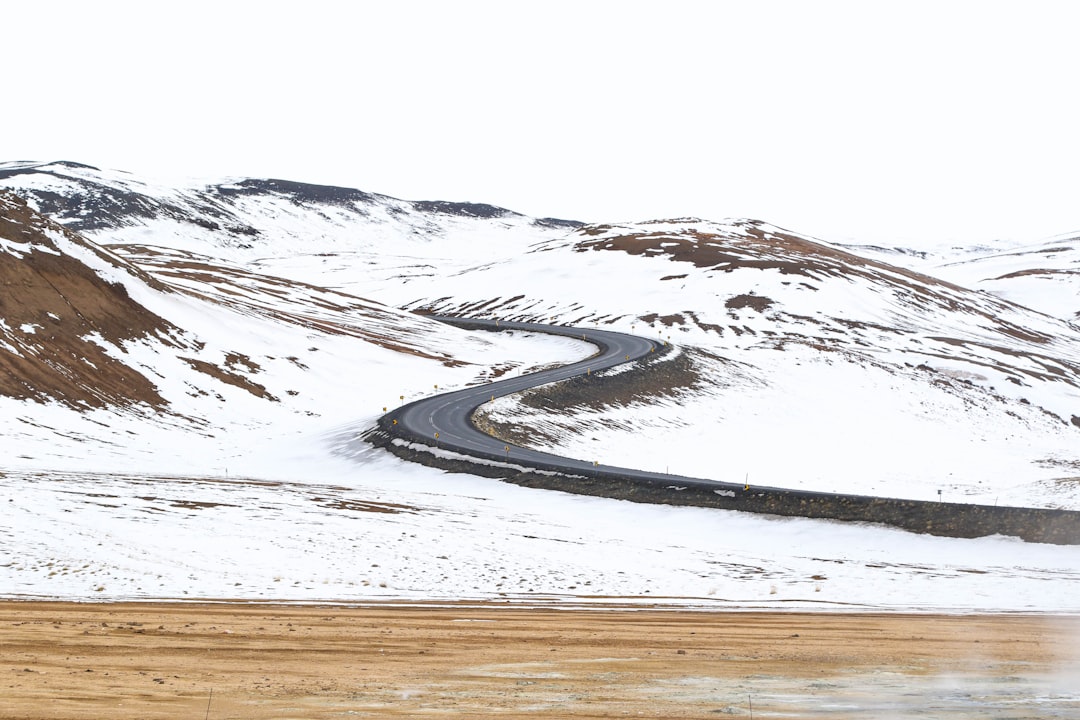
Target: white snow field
x=849, y=376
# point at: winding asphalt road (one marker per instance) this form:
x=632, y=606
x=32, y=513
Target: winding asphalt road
x=448, y=415
x=444, y=422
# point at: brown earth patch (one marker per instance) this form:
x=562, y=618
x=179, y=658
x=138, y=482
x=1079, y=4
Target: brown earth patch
x=1036, y=272
x=52, y=305
x=229, y=378
x=666, y=377
x=183, y=504
x=665, y=320
x=363, y=506
x=566, y=401
x=754, y=302
x=757, y=247
x=309, y=306
x=66, y=661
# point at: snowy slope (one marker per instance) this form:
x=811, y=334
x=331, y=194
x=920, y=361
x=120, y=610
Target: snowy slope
x=799, y=363
x=866, y=377
x=1044, y=276
x=375, y=528
x=290, y=222
x=230, y=360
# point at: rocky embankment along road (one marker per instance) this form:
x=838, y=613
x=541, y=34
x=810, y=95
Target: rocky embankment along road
x=439, y=431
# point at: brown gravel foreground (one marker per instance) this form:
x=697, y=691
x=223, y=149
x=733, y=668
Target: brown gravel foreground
x=128, y=661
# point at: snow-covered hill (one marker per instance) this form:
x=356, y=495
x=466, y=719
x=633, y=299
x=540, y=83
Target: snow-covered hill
x=810, y=366
x=189, y=354
x=264, y=324
x=262, y=218
x=1044, y=276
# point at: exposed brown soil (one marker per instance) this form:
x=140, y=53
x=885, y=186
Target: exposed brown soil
x=755, y=302
x=52, y=304
x=128, y=661
x=793, y=255
x=229, y=378
x=565, y=405
x=1036, y=272
x=318, y=308
x=666, y=377
x=568, y=398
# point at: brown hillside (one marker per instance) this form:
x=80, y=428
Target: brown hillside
x=51, y=304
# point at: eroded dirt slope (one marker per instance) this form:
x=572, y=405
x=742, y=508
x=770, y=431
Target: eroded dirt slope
x=58, y=317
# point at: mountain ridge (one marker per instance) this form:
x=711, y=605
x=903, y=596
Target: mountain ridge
x=95, y=204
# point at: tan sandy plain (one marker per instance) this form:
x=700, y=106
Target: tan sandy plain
x=128, y=661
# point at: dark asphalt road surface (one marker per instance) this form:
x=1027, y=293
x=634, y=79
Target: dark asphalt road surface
x=448, y=414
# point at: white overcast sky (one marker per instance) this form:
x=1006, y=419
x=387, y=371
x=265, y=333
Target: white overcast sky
x=889, y=122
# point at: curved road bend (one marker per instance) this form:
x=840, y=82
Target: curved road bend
x=449, y=414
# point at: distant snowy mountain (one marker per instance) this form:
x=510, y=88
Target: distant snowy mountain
x=341, y=238
x=250, y=214
x=1044, y=276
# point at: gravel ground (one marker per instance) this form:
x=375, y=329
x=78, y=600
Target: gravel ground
x=232, y=660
